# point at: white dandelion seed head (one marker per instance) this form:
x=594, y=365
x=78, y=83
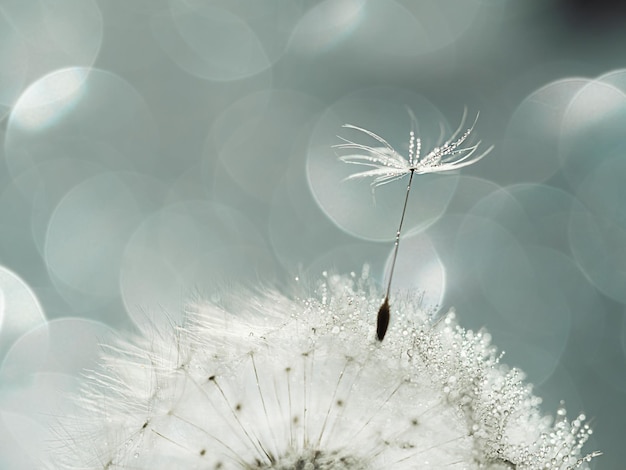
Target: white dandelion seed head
x=268, y=381
x=387, y=165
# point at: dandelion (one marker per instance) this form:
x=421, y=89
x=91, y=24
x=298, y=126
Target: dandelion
x=270, y=381
x=388, y=165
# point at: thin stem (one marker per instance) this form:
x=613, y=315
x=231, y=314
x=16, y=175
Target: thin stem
x=383, y=311
x=397, y=244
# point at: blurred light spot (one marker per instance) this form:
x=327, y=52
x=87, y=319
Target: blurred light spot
x=469, y=191
x=599, y=247
x=225, y=40
x=595, y=102
x=58, y=177
x=537, y=214
x=43, y=185
x=63, y=345
x=606, y=357
x=508, y=282
x=22, y=441
x=262, y=137
x=43, y=367
x=326, y=24
x=418, y=269
x=560, y=274
x=530, y=151
x=500, y=284
x=48, y=99
x=193, y=248
x=87, y=234
x=593, y=128
x=298, y=230
x=146, y=8
x=13, y=64
x=604, y=191
x=20, y=309
x=549, y=306
x=447, y=21
x=616, y=78
x=107, y=123
x=501, y=207
x=359, y=26
x=16, y=242
x=351, y=204
x=480, y=246
x=36, y=397
x=38, y=37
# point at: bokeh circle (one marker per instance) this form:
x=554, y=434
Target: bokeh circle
x=351, y=204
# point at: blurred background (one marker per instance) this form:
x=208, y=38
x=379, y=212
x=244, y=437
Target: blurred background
x=152, y=150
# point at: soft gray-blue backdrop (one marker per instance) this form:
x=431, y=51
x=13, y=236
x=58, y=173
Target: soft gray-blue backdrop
x=155, y=149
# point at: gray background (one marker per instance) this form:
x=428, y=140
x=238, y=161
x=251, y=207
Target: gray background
x=153, y=150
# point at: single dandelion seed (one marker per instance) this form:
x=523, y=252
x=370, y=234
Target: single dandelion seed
x=388, y=165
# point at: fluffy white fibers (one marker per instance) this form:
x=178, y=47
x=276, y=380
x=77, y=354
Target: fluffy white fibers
x=261, y=380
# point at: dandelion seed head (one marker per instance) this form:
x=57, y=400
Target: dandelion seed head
x=386, y=164
x=269, y=381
